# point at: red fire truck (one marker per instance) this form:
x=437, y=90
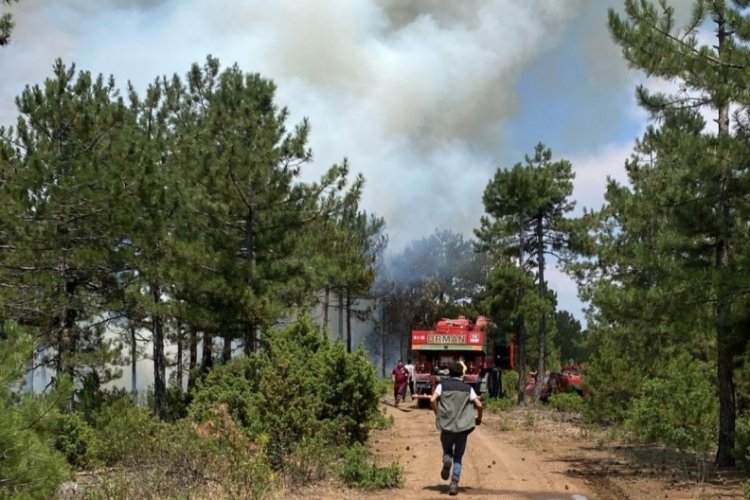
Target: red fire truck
x=456, y=340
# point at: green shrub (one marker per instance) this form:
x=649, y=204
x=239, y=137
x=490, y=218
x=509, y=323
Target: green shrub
x=350, y=392
x=566, y=401
x=383, y=421
x=92, y=396
x=233, y=384
x=361, y=471
x=218, y=452
x=385, y=387
x=742, y=440
x=498, y=405
x=509, y=383
x=300, y=386
x=613, y=382
x=746, y=490
x=125, y=433
x=215, y=460
x=29, y=466
x=75, y=439
x=177, y=403
x=310, y=461
x=678, y=410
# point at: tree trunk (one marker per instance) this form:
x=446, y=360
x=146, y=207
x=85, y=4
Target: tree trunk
x=180, y=355
x=193, y=358
x=341, y=317
x=226, y=349
x=250, y=327
x=69, y=338
x=133, y=360
x=521, y=330
x=67, y=345
x=59, y=360
x=725, y=351
x=521, y=336
x=249, y=338
x=160, y=379
x=724, y=366
x=385, y=344
x=207, y=357
x=540, y=367
x=326, y=300
x=348, y=321
x=727, y=403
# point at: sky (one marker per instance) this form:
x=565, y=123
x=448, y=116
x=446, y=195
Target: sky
x=426, y=98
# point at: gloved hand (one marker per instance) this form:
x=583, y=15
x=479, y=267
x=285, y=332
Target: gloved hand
x=477, y=421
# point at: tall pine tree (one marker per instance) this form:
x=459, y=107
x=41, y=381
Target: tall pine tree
x=62, y=180
x=697, y=214
x=525, y=222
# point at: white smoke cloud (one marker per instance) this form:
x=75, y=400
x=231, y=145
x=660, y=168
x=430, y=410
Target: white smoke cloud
x=422, y=96
x=416, y=94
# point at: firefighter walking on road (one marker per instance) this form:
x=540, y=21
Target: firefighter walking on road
x=400, y=378
x=410, y=368
x=453, y=403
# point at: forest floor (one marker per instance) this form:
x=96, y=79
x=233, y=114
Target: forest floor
x=530, y=454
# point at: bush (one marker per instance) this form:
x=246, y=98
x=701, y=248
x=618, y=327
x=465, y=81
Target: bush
x=233, y=384
x=385, y=387
x=300, y=386
x=29, y=466
x=177, y=403
x=91, y=397
x=510, y=383
x=613, y=381
x=125, y=433
x=498, y=405
x=214, y=460
x=350, y=392
x=742, y=441
x=75, y=439
x=566, y=401
x=310, y=461
x=361, y=471
x=678, y=410
x=383, y=421
x=218, y=452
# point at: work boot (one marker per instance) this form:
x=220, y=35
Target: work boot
x=453, y=488
x=446, y=470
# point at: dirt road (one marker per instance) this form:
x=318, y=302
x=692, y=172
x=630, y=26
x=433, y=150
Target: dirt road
x=528, y=455
x=493, y=466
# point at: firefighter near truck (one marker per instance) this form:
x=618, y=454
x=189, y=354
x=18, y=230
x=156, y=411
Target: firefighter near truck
x=460, y=340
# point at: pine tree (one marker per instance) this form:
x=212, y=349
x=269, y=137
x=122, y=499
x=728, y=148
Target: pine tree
x=252, y=212
x=149, y=217
x=699, y=211
x=446, y=266
x=6, y=24
x=525, y=222
x=360, y=242
x=570, y=338
x=61, y=177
